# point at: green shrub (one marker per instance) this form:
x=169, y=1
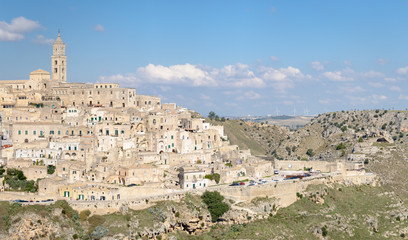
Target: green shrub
x=216, y=177
x=99, y=232
x=84, y=215
x=341, y=146
x=50, y=169
x=324, y=231
x=215, y=204
x=310, y=152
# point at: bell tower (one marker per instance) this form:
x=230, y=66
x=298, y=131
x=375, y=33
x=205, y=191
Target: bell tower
x=58, y=61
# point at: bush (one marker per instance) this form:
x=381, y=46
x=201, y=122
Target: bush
x=50, y=169
x=15, y=173
x=215, y=204
x=341, y=146
x=360, y=139
x=84, y=215
x=310, y=152
x=324, y=231
x=216, y=177
x=99, y=232
x=228, y=164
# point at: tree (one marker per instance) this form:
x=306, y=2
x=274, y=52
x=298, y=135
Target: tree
x=215, y=204
x=211, y=115
x=310, y=152
x=50, y=169
x=216, y=177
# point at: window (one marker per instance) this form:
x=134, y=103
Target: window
x=56, y=62
x=19, y=132
x=59, y=132
x=34, y=132
x=55, y=70
x=51, y=132
x=26, y=132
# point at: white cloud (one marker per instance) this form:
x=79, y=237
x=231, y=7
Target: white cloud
x=318, y=66
x=40, y=39
x=347, y=62
x=378, y=98
x=14, y=31
x=164, y=88
x=395, y=88
x=282, y=78
x=390, y=79
x=99, y=28
x=325, y=101
x=205, y=97
x=376, y=84
x=351, y=89
x=274, y=58
x=238, y=75
x=337, y=76
x=251, y=95
x=177, y=74
x=231, y=104
x=373, y=74
x=403, y=97
x=381, y=61
x=360, y=100
x=403, y=70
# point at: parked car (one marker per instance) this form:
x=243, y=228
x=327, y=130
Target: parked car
x=276, y=172
x=132, y=185
x=235, y=184
x=241, y=183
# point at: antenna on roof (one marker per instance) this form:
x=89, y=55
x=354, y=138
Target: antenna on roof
x=58, y=31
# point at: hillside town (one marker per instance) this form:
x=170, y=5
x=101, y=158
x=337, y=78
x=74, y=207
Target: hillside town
x=99, y=142
x=99, y=138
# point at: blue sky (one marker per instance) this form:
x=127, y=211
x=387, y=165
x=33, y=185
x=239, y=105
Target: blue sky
x=232, y=57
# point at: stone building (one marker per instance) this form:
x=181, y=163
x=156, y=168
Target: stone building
x=102, y=136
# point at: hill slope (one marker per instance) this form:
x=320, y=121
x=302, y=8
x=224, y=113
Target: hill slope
x=255, y=136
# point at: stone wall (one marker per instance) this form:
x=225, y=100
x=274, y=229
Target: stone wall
x=300, y=165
